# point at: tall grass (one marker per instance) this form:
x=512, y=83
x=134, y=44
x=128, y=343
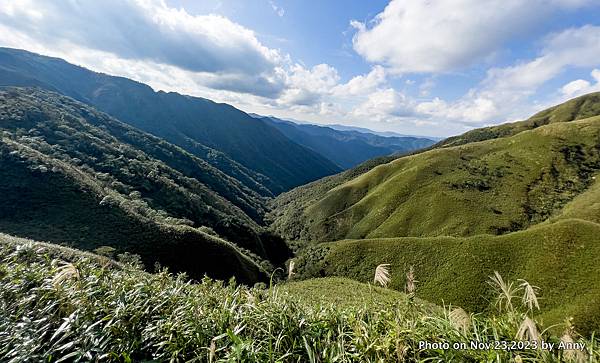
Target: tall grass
x=108, y=312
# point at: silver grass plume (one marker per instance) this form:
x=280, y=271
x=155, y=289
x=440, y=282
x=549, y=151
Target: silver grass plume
x=291, y=266
x=529, y=295
x=572, y=355
x=411, y=285
x=505, y=290
x=382, y=274
x=528, y=330
x=64, y=273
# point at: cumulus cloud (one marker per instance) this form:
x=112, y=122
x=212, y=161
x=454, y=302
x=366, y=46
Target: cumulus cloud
x=211, y=56
x=445, y=35
x=150, y=31
x=504, y=93
x=144, y=30
x=306, y=87
x=383, y=104
x=581, y=86
x=362, y=84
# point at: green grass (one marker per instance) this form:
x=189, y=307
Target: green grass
x=561, y=258
x=341, y=292
x=521, y=198
x=95, y=309
x=489, y=187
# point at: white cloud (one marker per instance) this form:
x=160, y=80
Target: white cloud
x=362, y=84
x=211, y=56
x=306, y=87
x=150, y=31
x=580, y=86
x=384, y=104
x=444, y=35
x=505, y=93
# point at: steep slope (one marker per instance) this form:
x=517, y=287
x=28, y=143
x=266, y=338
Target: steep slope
x=72, y=174
x=197, y=125
x=494, y=187
x=345, y=148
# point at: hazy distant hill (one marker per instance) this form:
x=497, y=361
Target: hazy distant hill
x=72, y=174
x=379, y=133
x=198, y=125
x=345, y=148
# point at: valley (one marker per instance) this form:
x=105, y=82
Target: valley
x=122, y=184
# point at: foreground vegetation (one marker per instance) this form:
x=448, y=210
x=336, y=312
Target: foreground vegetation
x=522, y=198
x=58, y=304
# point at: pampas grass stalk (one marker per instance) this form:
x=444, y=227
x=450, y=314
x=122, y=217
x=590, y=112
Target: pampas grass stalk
x=506, y=292
x=291, y=266
x=382, y=274
x=64, y=273
x=460, y=320
x=529, y=295
x=528, y=330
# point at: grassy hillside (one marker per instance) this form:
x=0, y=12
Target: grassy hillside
x=73, y=175
x=289, y=209
x=346, y=148
x=560, y=258
x=524, y=202
x=490, y=187
x=251, y=151
x=62, y=305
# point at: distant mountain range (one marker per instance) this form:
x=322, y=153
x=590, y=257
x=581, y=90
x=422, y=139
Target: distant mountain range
x=91, y=160
x=258, y=155
x=344, y=145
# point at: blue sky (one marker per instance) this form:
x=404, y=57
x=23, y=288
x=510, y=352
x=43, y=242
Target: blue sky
x=436, y=67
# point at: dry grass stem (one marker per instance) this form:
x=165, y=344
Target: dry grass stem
x=411, y=286
x=291, y=266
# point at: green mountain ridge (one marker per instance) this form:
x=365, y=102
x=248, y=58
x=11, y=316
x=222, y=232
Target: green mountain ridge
x=249, y=150
x=493, y=186
x=73, y=175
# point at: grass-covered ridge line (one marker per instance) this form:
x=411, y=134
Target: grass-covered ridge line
x=58, y=304
x=489, y=187
x=576, y=109
x=347, y=205
x=561, y=258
